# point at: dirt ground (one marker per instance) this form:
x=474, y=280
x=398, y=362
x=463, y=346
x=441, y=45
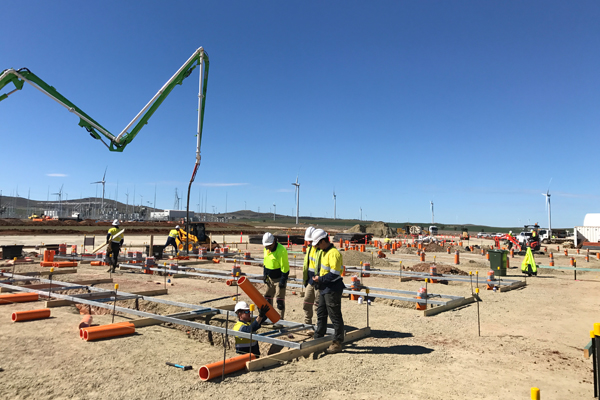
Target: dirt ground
x=530, y=337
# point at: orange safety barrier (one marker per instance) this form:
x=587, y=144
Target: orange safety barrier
x=258, y=298
x=566, y=252
x=448, y=249
x=490, y=280
x=512, y=253
x=487, y=256
x=456, y=258
x=422, y=294
x=63, y=264
x=572, y=262
x=18, y=298
x=210, y=371
x=433, y=272
x=106, y=331
x=422, y=256
x=577, y=251
x=19, y=316
x=598, y=255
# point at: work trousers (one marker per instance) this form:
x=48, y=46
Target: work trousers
x=273, y=289
x=115, y=248
x=330, y=304
x=172, y=242
x=311, y=302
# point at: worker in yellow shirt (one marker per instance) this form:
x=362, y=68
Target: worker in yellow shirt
x=276, y=271
x=172, y=239
x=330, y=283
x=115, y=239
x=311, y=296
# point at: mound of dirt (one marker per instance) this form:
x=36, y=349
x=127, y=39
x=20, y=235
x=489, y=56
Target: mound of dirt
x=434, y=248
x=380, y=229
x=353, y=258
x=358, y=228
x=441, y=269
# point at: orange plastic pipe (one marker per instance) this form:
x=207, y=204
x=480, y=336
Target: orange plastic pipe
x=257, y=298
x=46, y=263
x=106, y=331
x=101, y=327
x=63, y=264
x=86, y=322
x=19, y=316
x=18, y=298
x=233, y=364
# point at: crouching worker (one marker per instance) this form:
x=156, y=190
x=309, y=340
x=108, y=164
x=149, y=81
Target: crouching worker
x=245, y=324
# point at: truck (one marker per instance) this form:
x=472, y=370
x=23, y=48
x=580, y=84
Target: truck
x=433, y=230
x=588, y=235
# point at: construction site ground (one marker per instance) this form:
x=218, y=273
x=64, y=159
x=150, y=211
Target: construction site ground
x=530, y=337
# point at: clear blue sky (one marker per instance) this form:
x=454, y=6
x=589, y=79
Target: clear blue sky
x=474, y=105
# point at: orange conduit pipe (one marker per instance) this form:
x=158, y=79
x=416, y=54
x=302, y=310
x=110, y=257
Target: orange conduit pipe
x=86, y=322
x=63, y=264
x=210, y=371
x=106, y=331
x=30, y=315
x=18, y=298
x=258, y=298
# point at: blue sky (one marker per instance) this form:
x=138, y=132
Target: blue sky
x=474, y=105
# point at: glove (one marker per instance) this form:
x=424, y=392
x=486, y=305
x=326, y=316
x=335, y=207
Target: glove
x=263, y=311
x=265, y=275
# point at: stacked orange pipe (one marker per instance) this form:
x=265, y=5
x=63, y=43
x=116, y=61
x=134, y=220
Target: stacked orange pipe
x=258, y=298
x=63, y=264
x=234, y=364
x=18, y=298
x=106, y=331
x=30, y=315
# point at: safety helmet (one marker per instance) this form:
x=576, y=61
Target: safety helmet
x=268, y=239
x=116, y=222
x=177, y=227
x=317, y=235
x=510, y=232
x=308, y=233
x=242, y=305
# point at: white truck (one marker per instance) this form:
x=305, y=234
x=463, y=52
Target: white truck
x=588, y=235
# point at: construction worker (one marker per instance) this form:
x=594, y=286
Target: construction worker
x=115, y=239
x=172, y=239
x=276, y=271
x=311, y=296
x=331, y=285
x=245, y=324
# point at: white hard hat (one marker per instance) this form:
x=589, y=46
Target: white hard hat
x=317, y=235
x=308, y=233
x=509, y=231
x=116, y=222
x=242, y=305
x=177, y=227
x=268, y=239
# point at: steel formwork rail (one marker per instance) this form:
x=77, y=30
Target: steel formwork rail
x=354, y=292
x=266, y=339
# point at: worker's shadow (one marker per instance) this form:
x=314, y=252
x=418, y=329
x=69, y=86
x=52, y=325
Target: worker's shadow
x=401, y=349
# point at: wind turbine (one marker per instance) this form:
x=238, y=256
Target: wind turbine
x=432, y=219
x=59, y=194
x=103, y=182
x=297, y=185
x=549, y=208
x=177, y=198
x=274, y=211
x=334, y=204
x=127, y=206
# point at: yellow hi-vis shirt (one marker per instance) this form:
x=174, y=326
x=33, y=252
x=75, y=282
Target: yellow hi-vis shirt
x=112, y=232
x=277, y=259
x=331, y=261
x=174, y=233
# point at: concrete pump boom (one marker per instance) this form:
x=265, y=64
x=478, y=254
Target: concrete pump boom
x=118, y=142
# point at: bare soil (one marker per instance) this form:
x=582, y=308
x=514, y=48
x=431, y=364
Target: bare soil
x=530, y=337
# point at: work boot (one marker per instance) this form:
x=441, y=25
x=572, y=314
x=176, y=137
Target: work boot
x=335, y=347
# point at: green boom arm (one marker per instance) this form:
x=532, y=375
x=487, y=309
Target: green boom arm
x=118, y=142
